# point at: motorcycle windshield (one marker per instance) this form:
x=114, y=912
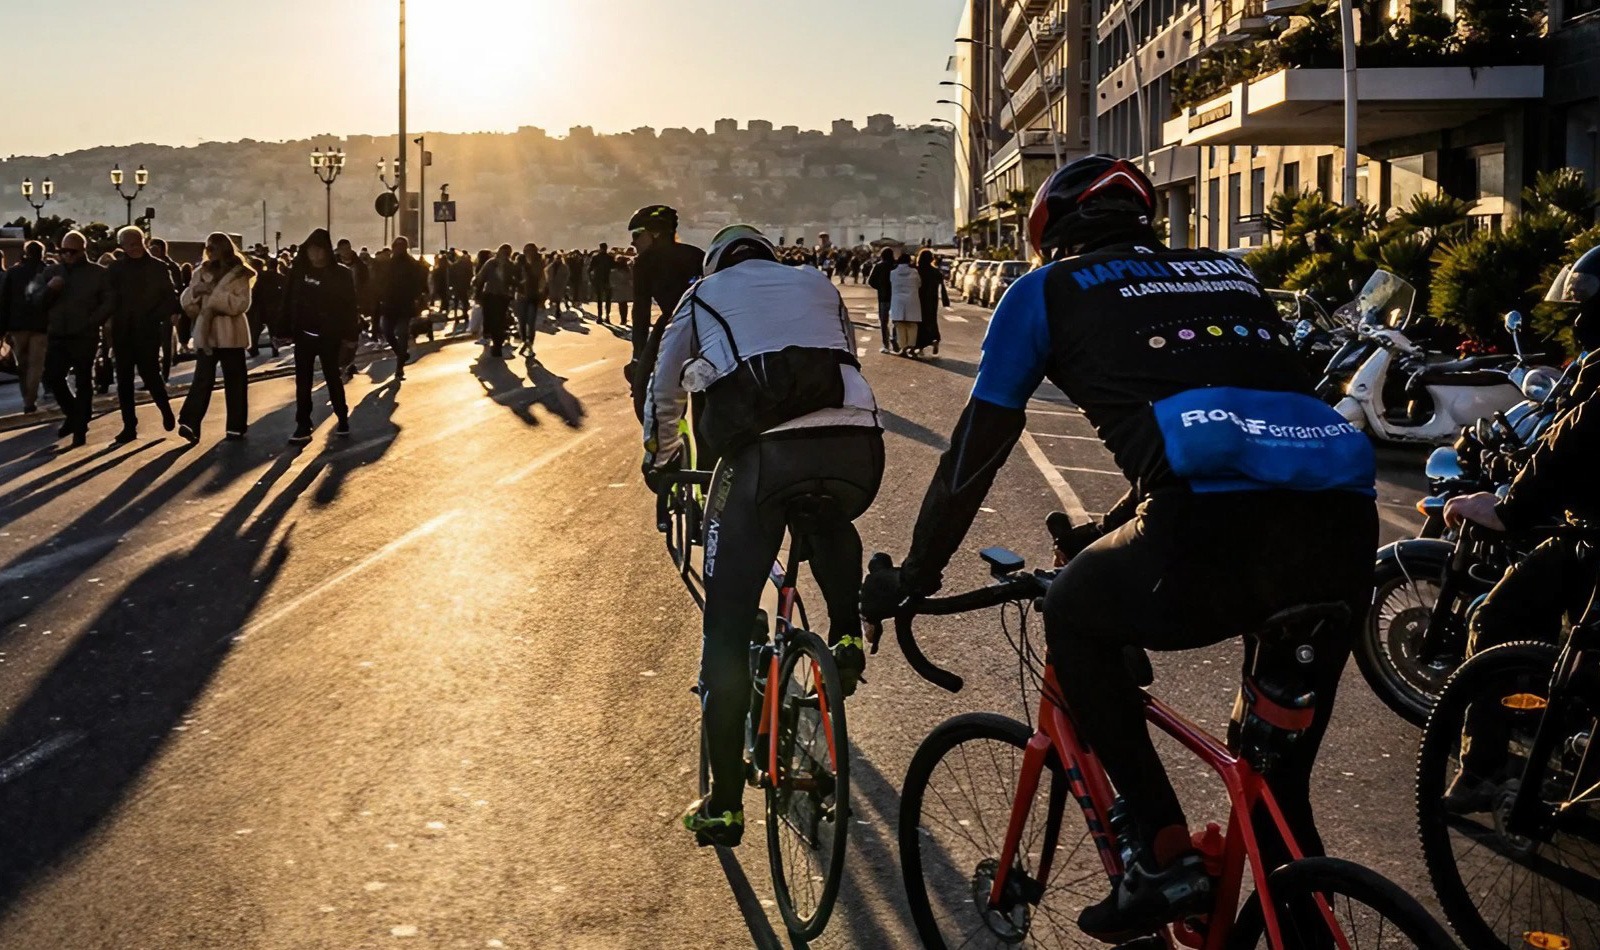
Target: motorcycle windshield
x=1386, y=300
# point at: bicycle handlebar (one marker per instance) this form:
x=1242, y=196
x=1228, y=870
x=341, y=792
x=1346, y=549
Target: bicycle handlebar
x=1020, y=587
x=686, y=476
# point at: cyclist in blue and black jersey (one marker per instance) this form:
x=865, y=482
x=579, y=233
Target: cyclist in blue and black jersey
x=1249, y=495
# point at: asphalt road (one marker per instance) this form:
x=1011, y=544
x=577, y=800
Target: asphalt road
x=428, y=685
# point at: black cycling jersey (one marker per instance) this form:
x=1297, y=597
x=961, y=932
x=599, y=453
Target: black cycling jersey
x=1179, y=360
x=662, y=274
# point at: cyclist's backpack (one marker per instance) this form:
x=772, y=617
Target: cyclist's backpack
x=764, y=391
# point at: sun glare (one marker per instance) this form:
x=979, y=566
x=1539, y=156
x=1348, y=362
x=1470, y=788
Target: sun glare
x=481, y=64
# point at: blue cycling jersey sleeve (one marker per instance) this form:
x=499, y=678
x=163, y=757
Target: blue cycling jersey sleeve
x=1017, y=346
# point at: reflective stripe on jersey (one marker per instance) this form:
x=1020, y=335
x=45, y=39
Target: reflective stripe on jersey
x=1229, y=439
x=1017, y=344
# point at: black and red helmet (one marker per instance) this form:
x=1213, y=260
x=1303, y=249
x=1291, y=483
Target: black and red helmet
x=1074, y=203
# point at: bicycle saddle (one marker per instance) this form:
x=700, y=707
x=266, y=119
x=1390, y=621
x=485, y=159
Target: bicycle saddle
x=1301, y=622
x=811, y=510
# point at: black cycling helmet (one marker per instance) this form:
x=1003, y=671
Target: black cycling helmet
x=658, y=219
x=1077, y=203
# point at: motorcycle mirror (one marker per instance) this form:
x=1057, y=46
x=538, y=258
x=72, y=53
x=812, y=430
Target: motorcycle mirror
x=1514, y=321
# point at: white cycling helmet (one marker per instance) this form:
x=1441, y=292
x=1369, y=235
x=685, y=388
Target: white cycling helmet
x=733, y=236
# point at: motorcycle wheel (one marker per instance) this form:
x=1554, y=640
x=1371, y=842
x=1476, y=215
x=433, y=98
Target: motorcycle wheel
x=1385, y=649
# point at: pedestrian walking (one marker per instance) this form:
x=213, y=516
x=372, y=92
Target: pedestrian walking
x=461, y=272
x=879, y=280
x=557, y=274
x=171, y=341
x=319, y=316
x=600, y=282
x=145, y=307
x=495, y=284
x=402, y=286
x=530, y=295
x=930, y=291
x=76, y=297
x=266, y=302
x=621, y=286
x=218, y=300
x=905, y=310
x=25, y=323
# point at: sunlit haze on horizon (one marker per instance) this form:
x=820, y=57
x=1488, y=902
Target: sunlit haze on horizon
x=220, y=70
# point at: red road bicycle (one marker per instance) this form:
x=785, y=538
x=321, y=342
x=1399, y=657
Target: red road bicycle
x=990, y=858
x=796, y=750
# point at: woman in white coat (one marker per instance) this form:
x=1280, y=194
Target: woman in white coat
x=217, y=299
x=905, y=307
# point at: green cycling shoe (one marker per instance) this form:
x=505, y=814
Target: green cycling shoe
x=724, y=831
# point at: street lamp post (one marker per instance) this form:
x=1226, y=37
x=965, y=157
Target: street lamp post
x=327, y=165
x=391, y=187
x=140, y=179
x=422, y=189
x=47, y=190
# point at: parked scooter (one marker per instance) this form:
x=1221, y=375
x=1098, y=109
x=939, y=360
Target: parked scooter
x=1400, y=392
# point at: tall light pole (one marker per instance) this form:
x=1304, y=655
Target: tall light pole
x=422, y=188
x=1347, y=30
x=47, y=190
x=328, y=164
x=400, y=173
x=140, y=179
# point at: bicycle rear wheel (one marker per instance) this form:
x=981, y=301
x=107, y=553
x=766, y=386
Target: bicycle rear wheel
x=955, y=809
x=1502, y=891
x=808, y=810
x=1369, y=910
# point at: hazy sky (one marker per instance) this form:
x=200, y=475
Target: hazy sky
x=177, y=72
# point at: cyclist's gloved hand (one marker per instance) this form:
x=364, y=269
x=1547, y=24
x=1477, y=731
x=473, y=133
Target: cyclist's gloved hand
x=653, y=473
x=881, y=591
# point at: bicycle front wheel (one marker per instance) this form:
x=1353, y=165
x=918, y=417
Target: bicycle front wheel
x=1326, y=903
x=1503, y=891
x=955, y=810
x=808, y=810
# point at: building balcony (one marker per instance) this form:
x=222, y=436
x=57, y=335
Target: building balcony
x=1306, y=106
x=1048, y=32
x=1019, y=60
x=1012, y=28
x=1236, y=21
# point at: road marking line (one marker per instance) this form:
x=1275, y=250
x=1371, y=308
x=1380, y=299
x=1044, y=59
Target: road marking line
x=38, y=753
x=547, y=458
x=576, y=370
x=415, y=534
x=1091, y=471
x=1055, y=412
x=1076, y=438
x=1391, y=516
x=1069, y=498
x=955, y=319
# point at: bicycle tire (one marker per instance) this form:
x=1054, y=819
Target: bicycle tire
x=823, y=812
x=1499, y=668
x=920, y=854
x=1305, y=929
x=1405, y=696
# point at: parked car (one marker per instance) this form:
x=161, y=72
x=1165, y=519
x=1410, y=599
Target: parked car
x=976, y=276
x=1000, y=278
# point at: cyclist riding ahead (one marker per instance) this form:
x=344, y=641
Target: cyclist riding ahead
x=661, y=274
x=769, y=351
x=1249, y=495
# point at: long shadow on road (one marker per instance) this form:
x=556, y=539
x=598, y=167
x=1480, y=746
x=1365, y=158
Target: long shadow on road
x=541, y=387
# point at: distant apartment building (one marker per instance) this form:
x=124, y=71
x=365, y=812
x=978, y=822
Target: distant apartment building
x=1228, y=102
x=725, y=126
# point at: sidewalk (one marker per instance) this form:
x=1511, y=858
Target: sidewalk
x=264, y=366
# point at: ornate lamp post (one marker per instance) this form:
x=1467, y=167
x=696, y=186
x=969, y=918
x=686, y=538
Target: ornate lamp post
x=328, y=164
x=140, y=179
x=47, y=190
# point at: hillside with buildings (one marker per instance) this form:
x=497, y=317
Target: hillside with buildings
x=571, y=190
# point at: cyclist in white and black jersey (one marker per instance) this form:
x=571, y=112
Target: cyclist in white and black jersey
x=783, y=405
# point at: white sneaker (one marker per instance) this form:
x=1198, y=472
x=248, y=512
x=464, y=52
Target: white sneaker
x=883, y=349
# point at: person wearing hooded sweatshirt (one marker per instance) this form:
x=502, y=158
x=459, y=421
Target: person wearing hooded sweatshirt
x=319, y=317
x=218, y=301
x=905, y=312
x=878, y=280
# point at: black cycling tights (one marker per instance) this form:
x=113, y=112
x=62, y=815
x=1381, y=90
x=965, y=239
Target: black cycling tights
x=745, y=524
x=1190, y=571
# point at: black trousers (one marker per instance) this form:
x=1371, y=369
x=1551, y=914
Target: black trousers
x=166, y=343
x=495, y=307
x=72, y=356
x=396, y=328
x=1190, y=571
x=142, y=354
x=602, y=297
x=308, y=351
x=744, y=527
x=235, y=385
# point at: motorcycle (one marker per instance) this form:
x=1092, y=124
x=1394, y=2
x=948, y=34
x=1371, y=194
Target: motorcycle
x=1398, y=391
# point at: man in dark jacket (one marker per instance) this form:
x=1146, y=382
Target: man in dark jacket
x=319, y=317
x=266, y=302
x=145, y=303
x=402, y=286
x=600, y=279
x=662, y=274
x=878, y=280
x=77, y=299
x=24, y=322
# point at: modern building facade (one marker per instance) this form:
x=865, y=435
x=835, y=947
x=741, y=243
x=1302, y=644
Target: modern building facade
x=1228, y=102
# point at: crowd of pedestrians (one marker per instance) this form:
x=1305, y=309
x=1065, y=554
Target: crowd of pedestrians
x=77, y=326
